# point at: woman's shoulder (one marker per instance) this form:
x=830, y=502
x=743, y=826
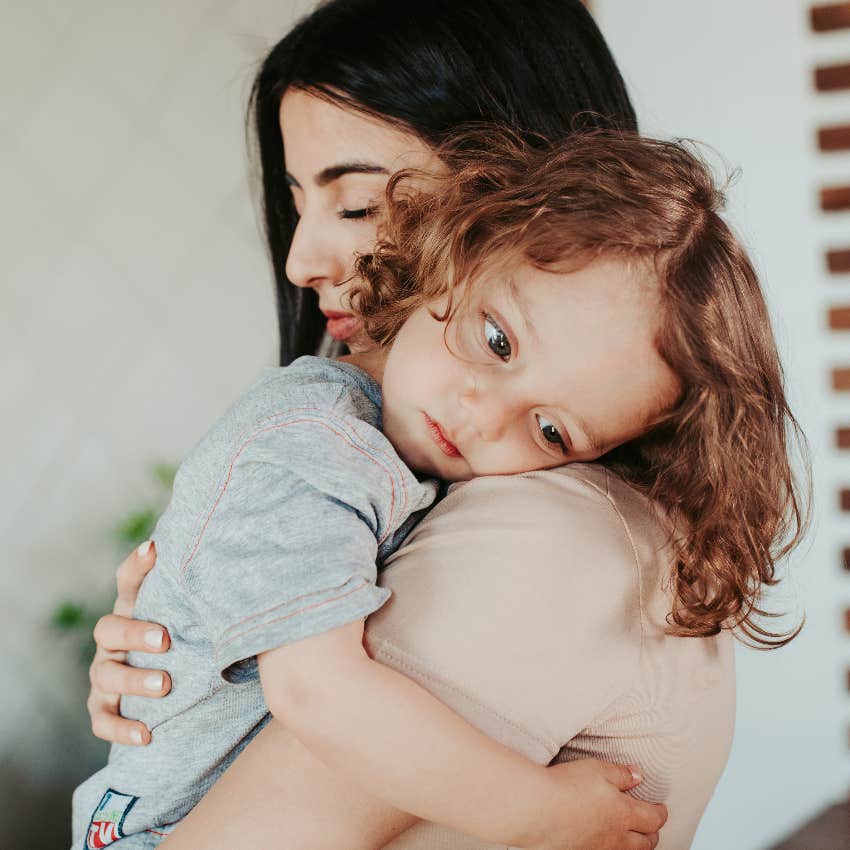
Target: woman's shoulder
x=575, y=487
x=558, y=517
x=522, y=595
x=572, y=487
x=575, y=541
x=566, y=556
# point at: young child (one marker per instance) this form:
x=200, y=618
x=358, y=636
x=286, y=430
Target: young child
x=533, y=306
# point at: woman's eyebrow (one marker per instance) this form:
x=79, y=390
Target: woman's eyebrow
x=334, y=172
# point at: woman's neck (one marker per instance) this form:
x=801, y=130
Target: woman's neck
x=372, y=362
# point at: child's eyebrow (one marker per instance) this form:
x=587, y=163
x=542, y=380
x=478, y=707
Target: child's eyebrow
x=592, y=438
x=334, y=172
x=522, y=307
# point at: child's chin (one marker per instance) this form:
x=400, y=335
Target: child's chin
x=454, y=475
x=426, y=468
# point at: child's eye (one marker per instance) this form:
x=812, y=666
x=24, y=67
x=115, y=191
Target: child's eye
x=364, y=212
x=496, y=338
x=550, y=432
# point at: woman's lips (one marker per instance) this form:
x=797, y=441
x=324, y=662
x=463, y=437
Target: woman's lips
x=342, y=326
x=446, y=446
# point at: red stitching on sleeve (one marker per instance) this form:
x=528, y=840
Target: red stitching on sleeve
x=256, y=436
x=280, y=604
x=352, y=426
x=289, y=616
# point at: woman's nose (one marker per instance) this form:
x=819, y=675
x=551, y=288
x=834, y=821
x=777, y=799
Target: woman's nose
x=312, y=260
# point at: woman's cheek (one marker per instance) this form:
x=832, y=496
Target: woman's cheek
x=364, y=232
x=359, y=343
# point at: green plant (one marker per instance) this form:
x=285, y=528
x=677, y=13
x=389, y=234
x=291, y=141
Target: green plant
x=78, y=619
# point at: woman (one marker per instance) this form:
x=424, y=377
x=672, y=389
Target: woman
x=576, y=661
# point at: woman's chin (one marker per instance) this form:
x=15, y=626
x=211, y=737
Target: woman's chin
x=358, y=343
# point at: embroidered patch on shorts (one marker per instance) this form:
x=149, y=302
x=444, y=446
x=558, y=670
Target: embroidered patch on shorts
x=107, y=822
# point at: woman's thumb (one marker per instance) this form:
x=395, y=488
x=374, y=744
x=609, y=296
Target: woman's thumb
x=625, y=776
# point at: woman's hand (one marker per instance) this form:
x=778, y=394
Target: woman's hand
x=588, y=810
x=116, y=634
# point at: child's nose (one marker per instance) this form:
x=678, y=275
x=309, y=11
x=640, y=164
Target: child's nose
x=488, y=414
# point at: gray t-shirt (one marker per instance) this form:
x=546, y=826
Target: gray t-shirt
x=277, y=521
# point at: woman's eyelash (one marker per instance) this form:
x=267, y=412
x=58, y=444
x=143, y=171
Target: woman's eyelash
x=498, y=341
x=365, y=212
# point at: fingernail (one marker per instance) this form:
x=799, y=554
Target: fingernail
x=636, y=774
x=153, y=682
x=153, y=638
x=136, y=736
x=143, y=549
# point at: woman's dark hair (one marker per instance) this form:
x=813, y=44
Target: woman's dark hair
x=428, y=66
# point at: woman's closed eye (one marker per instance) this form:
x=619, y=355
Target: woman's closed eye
x=363, y=212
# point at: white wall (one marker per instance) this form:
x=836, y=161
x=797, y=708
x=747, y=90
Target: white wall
x=136, y=303
x=737, y=75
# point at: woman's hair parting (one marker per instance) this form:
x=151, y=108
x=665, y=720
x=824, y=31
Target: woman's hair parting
x=426, y=66
x=718, y=460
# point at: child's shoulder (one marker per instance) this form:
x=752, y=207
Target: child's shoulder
x=315, y=383
x=317, y=420
x=307, y=433
x=309, y=392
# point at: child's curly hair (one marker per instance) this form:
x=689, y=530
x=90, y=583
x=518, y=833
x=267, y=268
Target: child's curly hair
x=718, y=461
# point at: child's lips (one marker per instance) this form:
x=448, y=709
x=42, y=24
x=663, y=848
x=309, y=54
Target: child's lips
x=444, y=443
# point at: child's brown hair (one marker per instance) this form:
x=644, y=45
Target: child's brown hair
x=718, y=461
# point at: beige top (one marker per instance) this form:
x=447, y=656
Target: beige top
x=534, y=605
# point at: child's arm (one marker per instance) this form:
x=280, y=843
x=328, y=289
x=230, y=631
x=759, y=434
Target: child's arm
x=278, y=794
x=400, y=743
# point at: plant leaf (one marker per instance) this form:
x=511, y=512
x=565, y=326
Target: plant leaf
x=68, y=615
x=164, y=473
x=137, y=527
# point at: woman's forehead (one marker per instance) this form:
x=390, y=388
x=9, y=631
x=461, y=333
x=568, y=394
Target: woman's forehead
x=316, y=130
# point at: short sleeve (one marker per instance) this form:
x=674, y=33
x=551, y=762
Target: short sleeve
x=287, y=548
x=517, y=603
